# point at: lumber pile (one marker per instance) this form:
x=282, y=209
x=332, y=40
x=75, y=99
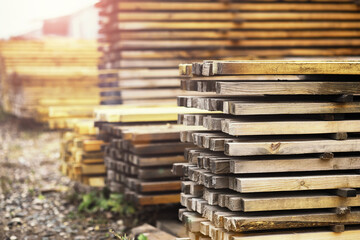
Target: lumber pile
x=141, y=144
x=145, y=40
x=81, y=155
x=37, y=75
x=280, y=153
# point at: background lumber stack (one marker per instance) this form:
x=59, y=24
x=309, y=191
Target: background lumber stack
x=145, y=40
x=141, y=144
x=81, y=155
x=39, y=74
x=281, y=150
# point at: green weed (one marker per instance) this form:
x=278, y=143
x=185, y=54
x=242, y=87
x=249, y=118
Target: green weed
x=125, y=237
x=100, y=201
x=3, y=115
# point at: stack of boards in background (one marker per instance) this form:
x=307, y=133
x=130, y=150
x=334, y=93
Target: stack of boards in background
x=279, y=158
x=81, y=155
x=145, y=40
x=141, y=144
x=50, y=80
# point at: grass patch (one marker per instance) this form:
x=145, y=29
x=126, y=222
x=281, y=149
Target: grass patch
x=3, y=116
x=125, y=237
x=94, y=202
x=5, y=185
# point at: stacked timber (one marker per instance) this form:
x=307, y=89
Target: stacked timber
x=280, y=153
x=81, y=155
x=39, y=74
x=141, y=145
x=147, y=39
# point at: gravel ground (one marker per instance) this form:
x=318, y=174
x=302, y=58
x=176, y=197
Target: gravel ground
x=35, y=199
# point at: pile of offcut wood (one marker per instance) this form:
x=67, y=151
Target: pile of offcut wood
x=81, y=155
x=37, y=75
x=281, y=157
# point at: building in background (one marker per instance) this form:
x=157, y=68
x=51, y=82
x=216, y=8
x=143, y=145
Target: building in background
x=83, y=24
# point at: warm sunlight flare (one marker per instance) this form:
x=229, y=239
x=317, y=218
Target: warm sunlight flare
x=21, y=16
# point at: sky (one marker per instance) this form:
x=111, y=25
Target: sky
x=22, y=16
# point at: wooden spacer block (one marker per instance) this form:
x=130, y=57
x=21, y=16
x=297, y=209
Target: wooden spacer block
x=177, y=169
x=196, y=68
x=326, y=156
x=181, y=213
x=207, y=69
x=332, y=117
x=239, y=20
x=185, y=187
x=339, y=136
x=327, y=117
x=342, y=210
x=345, y=98
x=338, y=228
x=346, y=192
x=224, y=30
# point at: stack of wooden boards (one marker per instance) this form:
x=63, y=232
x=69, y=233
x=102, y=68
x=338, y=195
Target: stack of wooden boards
x=50, y=79
x=141, y=146
x=81, y=155
x=147, y=39
x=283, y=153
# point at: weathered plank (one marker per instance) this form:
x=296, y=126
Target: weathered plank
x=295, y=183
x=211, y=6
x=283, y=127
x=284, y=221
x=285, y=67
x=282, y=147
x=292, y=164
x=287, y=88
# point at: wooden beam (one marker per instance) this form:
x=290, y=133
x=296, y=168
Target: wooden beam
x=298, y=183
x=282, y=147
x=285, y=67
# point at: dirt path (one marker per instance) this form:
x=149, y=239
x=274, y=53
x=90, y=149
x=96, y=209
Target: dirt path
x=36, y=201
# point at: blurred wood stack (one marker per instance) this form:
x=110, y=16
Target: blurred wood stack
x=81, y=155
x=81, y=151
x=37, y=75
x=281, y=157
x=147, y=39
x=141, y=146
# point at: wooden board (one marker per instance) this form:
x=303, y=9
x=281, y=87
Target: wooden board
x=207, y=229
x=280, y=201
x=248, y=148
x=228, y=16
x=287, y=88
x=283, y=67
x=241, y=224
x=298, y=183
x=268, y=125
x=140, y=114
x=211, y=6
